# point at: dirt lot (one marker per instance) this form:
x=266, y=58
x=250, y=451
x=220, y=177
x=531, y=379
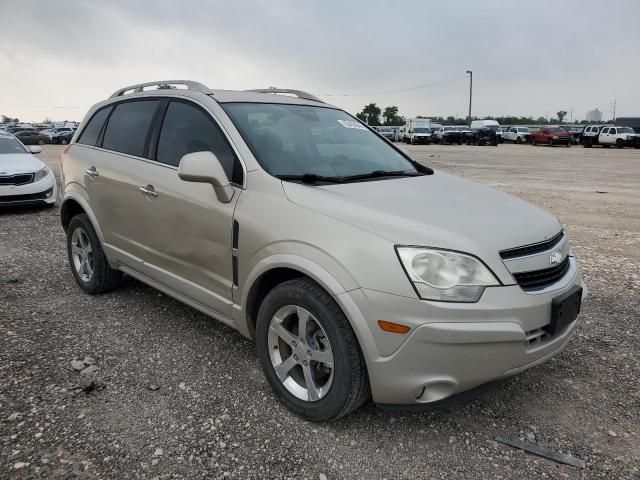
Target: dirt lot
x=177, y=395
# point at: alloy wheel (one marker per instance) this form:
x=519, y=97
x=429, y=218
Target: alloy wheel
x=300, y=353
x=82, y=254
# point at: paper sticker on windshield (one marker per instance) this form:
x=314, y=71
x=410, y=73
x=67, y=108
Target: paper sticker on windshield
x=350, y=124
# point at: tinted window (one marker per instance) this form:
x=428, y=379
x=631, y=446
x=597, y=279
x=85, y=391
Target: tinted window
x=188, y=129
x=90, y=133
x=128, y=127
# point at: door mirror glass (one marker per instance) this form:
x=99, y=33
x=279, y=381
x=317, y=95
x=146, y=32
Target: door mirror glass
x=204, y=167
x=35, y=149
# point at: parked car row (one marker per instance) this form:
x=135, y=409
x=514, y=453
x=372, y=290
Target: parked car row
x=35, y=136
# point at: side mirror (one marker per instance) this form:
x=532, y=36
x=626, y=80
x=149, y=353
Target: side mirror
x=204, y=167
x=35, y=149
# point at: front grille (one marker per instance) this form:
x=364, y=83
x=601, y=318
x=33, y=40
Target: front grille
x=18, y=179
x=27, y=197
x=531, y=249
x=539, y=279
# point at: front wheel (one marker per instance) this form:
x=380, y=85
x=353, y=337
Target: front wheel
x=518, y=140
x=63, y=141
x=309, y=352
x=619, y=143
x=40, y=141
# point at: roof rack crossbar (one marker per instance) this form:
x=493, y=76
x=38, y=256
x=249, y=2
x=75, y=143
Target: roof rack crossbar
x=297, y=93
x=190, y=84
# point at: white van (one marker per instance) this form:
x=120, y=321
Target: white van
x=492, y=124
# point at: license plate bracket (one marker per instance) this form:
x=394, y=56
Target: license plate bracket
x=564, y=310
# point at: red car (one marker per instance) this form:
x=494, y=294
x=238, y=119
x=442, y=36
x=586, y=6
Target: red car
x=551, y=135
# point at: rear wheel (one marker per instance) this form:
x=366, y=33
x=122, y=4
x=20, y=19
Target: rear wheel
x=533, y=141
x=551, y=142
x=518, y=140
x=619, y=143
x=63, y=141
x=87, y=260
x=309, y=352
x=40, y=141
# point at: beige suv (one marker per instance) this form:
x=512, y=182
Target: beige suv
x=359, y=272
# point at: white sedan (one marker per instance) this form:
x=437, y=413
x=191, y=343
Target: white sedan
x=24, y=180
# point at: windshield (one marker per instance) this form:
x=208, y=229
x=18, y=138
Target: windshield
x=11, y=145
x=556, y=130
x=625, y=130
x=386, y=129
x=421, y=130
x=307, y=140
x=448, y=129
x=523, y=129
x=495, y=128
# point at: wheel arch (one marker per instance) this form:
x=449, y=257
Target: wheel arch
x=74, y=204
x=277, y=269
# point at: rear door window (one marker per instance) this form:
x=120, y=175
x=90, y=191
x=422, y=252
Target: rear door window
x=186, y=129
x=128, y=127
x=89, y=135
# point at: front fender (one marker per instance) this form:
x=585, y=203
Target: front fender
x=327, y=280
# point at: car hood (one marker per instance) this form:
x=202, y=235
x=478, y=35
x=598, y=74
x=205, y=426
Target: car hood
x=11, y=163
x=438, y=210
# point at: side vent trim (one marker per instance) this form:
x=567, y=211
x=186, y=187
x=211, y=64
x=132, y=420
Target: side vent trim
x=234, y=252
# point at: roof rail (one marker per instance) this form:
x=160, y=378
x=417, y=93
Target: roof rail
x=190, y=84
x=297, y=93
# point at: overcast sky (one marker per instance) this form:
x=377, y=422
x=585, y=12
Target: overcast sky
x=528, y=58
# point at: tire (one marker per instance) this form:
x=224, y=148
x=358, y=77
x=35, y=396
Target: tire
x=587, y=143
x=102, y=278
x=348, y=387
x=63, y=141
x=518, y=140
x=40, y=141
x=568, y=144
x=533, y=142
x=619, y=143
x=550, y=142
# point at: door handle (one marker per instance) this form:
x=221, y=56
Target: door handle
x=92, y=172
x=149, y=191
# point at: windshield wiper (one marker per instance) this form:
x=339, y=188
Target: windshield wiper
x=382, y=173
x=311, y=178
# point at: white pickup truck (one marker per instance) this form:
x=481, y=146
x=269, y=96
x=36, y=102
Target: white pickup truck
x=619, y=136
x=516, y=134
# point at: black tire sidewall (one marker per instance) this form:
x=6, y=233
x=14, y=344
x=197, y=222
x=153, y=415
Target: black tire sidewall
x=332, y=405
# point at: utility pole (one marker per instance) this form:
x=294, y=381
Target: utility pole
x=470, y=93
x=571, y=121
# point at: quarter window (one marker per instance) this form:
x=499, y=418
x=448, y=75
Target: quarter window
x=128, y=127
x=187, y=129
x=89, y=135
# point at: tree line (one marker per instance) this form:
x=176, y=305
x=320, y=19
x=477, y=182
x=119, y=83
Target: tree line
x=371, y=114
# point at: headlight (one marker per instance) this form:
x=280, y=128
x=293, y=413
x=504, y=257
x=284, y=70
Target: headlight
x=445, y=276
x=40, y=174
x=555, y=137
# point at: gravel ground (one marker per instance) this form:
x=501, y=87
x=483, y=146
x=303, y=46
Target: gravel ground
x=170, y=393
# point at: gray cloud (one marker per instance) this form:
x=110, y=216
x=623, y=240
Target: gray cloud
x=528, y=58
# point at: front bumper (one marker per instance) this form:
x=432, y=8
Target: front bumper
x=455, y=347
x=37, y=193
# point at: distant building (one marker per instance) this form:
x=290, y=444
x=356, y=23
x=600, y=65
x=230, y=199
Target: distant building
x=594, y=116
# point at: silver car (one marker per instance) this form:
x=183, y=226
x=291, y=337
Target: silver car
x=359, y=273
